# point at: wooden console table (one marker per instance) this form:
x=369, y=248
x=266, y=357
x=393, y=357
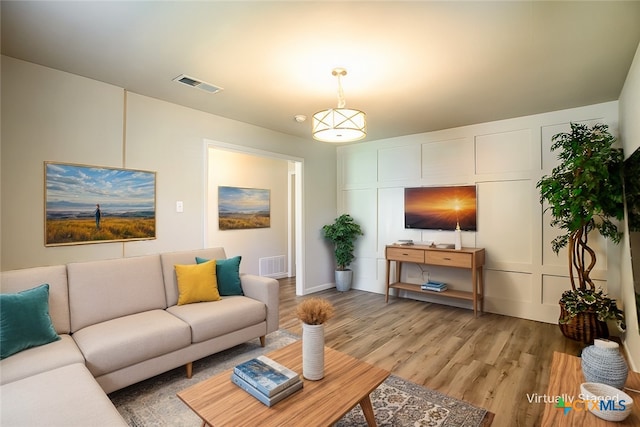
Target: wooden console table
x=469, y=258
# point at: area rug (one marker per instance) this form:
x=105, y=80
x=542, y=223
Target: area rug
x=396, y=402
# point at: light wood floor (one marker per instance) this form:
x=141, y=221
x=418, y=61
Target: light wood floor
x=492, y=361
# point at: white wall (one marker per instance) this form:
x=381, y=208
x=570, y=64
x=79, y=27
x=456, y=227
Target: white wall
x=57, y=116
x=630, y=136
x=630, y=108
x=504, y=159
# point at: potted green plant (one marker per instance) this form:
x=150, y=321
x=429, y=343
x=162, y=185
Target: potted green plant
x=585, y=193
x=343, y=233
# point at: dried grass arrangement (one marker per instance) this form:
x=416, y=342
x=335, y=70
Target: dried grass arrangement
x=315, y=311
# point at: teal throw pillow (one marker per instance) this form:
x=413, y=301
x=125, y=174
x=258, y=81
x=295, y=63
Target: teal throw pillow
x=228, y=272
x=25, y=320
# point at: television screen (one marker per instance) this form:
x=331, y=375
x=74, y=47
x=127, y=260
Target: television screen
x=440, y=208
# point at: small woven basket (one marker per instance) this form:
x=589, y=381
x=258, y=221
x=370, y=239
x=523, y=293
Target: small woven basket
x=623, y=403
x=584, y=327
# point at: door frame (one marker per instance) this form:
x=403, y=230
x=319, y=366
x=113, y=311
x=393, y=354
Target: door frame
x=295, y=203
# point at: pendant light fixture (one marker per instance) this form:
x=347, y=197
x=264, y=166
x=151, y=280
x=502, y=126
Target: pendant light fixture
x=339, y=124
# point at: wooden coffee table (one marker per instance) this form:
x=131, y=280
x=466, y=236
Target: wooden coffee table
x=565, y=379
x=347, y=382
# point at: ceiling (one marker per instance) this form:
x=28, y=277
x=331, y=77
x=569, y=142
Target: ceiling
x=412, y=66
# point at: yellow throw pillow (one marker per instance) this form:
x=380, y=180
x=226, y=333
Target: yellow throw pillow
x=197, y=283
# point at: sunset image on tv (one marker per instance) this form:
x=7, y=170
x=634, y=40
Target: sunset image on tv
x=440, y=208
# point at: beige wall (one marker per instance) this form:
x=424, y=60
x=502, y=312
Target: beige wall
x=229, y=168
x=57, y=116
x=630, y=136
x=50, y=115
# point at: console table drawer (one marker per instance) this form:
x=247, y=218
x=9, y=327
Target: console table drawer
x=408, y=255
x=449, y=259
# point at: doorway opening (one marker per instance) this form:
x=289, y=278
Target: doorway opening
x=233, y=165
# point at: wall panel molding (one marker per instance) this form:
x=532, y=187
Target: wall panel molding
x=504, y=160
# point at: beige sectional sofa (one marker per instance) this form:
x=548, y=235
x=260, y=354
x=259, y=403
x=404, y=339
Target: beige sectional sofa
x=119, y=323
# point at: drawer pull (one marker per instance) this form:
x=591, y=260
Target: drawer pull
x=405, y=254
x=446, y=259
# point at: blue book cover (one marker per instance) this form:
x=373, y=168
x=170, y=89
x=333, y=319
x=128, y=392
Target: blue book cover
x=433, y=283
x=269, y=401
x=434, y=286
x=266, y=375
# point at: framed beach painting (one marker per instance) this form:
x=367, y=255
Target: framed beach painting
x=243, y=208
x=96, y=204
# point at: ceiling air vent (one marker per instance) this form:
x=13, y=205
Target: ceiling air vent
x=198, y=84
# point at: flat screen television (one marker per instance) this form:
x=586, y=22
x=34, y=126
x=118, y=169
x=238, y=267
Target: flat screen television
x=440, y=208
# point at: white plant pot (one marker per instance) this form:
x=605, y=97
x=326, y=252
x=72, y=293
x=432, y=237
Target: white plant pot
x=343, y=280
x=313, y=351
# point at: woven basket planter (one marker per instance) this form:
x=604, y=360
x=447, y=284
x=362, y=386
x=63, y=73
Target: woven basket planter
x=584, y=327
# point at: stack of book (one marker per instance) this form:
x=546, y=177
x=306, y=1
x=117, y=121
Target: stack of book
x=266, y=380
x=432, y=285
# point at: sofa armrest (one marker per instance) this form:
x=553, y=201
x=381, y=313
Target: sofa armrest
x=266, y=290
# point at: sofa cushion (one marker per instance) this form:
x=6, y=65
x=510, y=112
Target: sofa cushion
x=105, y=290
x=125, y=341
x=197, y=283
x=40, y=359
x=228, y=275
x=170, y=259
x=66, y=396
x=213, y=319
x=25, y=320
x=56, y=277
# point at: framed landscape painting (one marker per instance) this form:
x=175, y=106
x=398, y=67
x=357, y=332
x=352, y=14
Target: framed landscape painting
x=243, y=208
x=95, y=204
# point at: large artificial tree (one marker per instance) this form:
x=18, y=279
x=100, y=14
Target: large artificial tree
x=584, y=193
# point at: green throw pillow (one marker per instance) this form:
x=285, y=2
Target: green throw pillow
x=25, y=320
x=228, y=272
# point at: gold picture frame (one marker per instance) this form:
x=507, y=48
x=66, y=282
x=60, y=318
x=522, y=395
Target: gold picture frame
x=97, y=204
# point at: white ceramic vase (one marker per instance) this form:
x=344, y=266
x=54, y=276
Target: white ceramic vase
x=313, y=351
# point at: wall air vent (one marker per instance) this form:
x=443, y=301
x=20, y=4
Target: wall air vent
x=198, y=84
